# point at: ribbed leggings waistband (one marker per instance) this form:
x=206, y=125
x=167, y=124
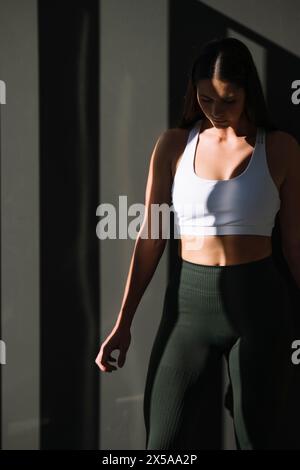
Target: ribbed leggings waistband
x=208, y=276
x=217, y=268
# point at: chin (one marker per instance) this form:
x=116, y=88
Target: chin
x=217, y=124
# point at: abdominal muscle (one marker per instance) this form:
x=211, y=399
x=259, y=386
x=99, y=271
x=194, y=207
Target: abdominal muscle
x=221, y=250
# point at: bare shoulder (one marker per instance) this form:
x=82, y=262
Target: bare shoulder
x=173, y=142
x=174, y=137
x=160, y=176
x=285, y=150
x=166, y=147
x=283, y=138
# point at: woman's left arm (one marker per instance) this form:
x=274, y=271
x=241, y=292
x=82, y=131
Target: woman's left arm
x=289, y=214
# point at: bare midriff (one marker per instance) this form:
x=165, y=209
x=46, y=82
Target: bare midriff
x=222, y=250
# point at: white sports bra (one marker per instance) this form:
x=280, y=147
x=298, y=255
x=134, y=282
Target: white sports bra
x=245, y=204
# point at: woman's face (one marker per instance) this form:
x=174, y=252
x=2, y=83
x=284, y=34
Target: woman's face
x=220, y=101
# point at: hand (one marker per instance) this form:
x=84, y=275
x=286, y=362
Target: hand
x=119, y=338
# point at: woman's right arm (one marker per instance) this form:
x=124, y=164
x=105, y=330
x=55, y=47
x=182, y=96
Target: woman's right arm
x=147, y=251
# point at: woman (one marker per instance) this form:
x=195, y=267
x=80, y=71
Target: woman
x=226, y=171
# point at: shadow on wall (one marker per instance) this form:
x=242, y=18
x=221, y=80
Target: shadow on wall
x=69, y=189
x=190, y=25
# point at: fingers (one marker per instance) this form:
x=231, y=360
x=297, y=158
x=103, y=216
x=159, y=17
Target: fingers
x=103, y=360
x=104, y=366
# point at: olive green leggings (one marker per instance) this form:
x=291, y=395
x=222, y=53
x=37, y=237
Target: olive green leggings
x=241, y=312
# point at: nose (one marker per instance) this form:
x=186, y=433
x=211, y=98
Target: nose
x=217, y=111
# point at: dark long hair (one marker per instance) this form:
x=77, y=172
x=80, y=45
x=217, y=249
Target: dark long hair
x=230, y=60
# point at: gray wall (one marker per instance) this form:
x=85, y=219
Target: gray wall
x=275, y=20
x=20, y=224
